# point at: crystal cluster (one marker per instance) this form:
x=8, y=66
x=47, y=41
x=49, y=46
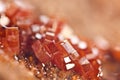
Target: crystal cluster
x=49, y=39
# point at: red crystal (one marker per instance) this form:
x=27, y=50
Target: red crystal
x=9, y=39
x=50, y=36
x=116, y=53
x=51, y=48
x=2, y=37
x=95, y=65
x=12, y=10
x=58, y=56
x=58, y=60
x=40, y=52
x=12, y=40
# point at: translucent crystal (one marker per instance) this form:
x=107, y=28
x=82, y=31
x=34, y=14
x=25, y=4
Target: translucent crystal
x=40, y=52
x=12, y=40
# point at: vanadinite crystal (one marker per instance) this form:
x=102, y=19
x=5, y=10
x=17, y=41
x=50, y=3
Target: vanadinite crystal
x=116, y=53
x=50, y=40
x=12, y=40
x=9, y=40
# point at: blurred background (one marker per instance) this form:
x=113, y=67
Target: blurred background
x=89, y=18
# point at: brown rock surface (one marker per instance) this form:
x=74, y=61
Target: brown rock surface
x=12, y=70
